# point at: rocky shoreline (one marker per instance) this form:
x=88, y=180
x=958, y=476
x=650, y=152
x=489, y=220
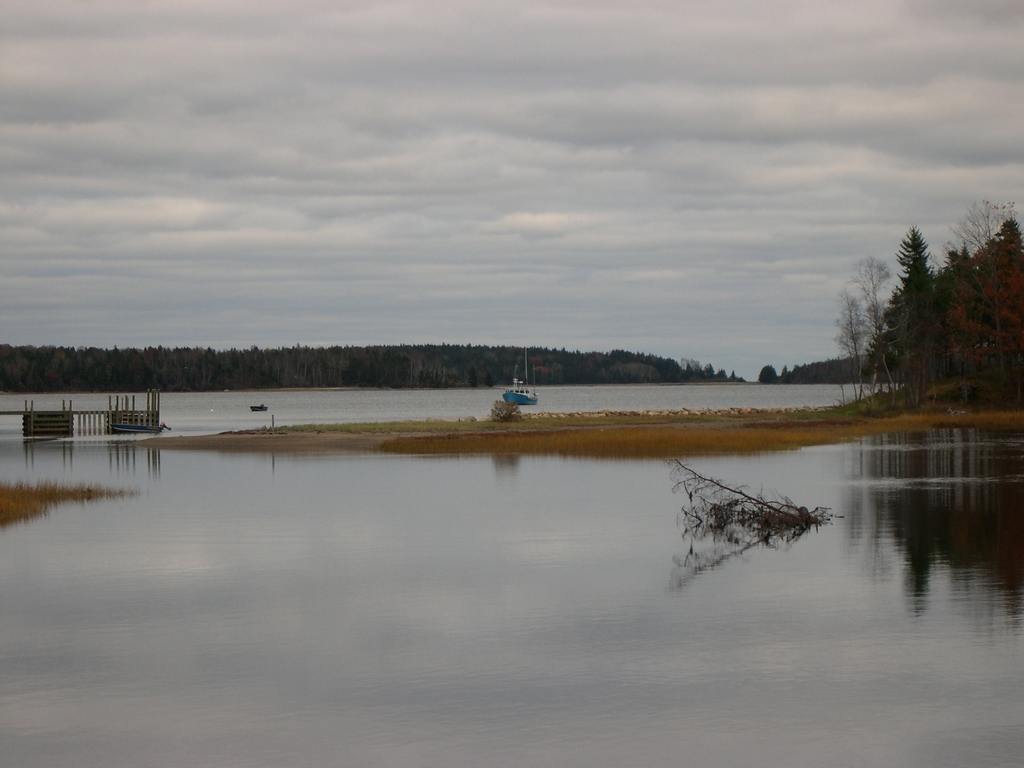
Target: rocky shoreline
x=679, y=413
x=662, y=414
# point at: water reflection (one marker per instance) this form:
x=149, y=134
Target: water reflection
x=128, y=459
x=948, y=499
x=374, y=610
x=506, y=464
x=123, y=458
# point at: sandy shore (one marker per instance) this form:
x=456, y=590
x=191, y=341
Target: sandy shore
x=284, y=441
x=265, y=441
x=726, y=432
x=331, y=441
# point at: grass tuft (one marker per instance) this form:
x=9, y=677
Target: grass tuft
x=20, y=502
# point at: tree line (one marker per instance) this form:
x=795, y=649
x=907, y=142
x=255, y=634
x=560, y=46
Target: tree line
x=189, y=369
x=834, y=371
x=962, y=318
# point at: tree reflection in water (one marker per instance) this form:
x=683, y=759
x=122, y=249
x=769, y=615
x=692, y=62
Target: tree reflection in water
x=948, y=499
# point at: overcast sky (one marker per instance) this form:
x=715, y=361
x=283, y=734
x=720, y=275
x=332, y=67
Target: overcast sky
x=689, y=179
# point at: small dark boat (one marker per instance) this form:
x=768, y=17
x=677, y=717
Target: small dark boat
x=260, y=407
x=137, y=429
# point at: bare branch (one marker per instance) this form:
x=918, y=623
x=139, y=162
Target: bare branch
x=852, y=333
x=722, y=521
x=872, y=276
x=980, y=224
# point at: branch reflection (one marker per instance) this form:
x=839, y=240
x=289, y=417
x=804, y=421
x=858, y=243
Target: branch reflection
x=722, y=522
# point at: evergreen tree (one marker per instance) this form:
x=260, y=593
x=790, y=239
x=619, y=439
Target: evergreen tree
x=768, y=375
x=912, y=320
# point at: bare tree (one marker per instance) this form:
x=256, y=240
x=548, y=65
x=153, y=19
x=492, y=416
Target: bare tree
x=852, y=334
x=980, y=224
x=872, y=276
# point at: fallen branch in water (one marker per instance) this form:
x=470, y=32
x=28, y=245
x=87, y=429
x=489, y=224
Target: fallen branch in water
x=722, y=521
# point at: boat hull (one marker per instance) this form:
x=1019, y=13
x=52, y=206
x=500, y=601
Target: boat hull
x=519, y=398
x=136, y=429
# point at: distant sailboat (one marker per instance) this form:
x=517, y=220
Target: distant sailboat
x=519, y=393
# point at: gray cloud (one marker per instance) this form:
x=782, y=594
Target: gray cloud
x=682, y=178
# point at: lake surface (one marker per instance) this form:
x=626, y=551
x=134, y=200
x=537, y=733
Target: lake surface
x=388, y=611
x=211, y=412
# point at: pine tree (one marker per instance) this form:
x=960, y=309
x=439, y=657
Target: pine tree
x=912, y=319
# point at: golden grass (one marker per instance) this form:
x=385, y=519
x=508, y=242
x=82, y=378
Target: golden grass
x=20, y=502
x=615, y=442
x=661, y=442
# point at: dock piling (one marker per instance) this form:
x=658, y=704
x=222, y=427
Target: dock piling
x=63, y=423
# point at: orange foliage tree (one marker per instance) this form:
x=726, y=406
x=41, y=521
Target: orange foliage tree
x=985, y=321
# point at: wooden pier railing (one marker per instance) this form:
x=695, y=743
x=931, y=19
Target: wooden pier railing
x=62, y=423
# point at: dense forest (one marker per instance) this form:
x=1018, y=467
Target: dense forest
x=836, y=371
x=960, y=319
x=69, y=369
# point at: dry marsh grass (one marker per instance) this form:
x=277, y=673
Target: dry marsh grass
x=626, y=442
x=615, y=442
x=20, y=502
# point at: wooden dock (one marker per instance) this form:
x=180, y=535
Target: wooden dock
x=121, y=409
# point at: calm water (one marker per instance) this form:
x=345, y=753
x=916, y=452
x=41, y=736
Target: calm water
x=206, y=412
x=383, y=611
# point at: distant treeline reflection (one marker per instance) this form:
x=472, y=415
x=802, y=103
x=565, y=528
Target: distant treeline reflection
x=959, y=503
x=85, y=369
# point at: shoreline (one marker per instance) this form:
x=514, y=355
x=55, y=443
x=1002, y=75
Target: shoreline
x=638, y=434
x=498, y=388
x=609, y=434
x=354, y=438
x=275, y=441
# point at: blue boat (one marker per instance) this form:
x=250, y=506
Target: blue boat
x=137, y=429
x=519, y=393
